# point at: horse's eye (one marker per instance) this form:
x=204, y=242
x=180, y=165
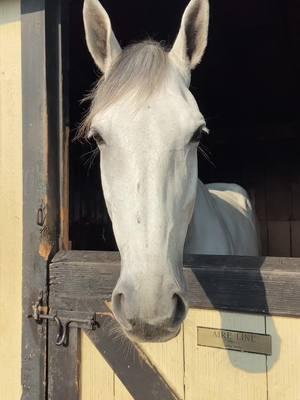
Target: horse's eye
x=97, y=137
x=198, y=135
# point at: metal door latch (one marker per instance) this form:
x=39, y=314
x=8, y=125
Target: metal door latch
x=64, y=320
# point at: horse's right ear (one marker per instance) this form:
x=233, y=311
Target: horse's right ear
x=100, y=37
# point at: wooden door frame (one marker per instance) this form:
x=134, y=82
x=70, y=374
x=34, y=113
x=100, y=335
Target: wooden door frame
x=43, y=144
x=35, y=275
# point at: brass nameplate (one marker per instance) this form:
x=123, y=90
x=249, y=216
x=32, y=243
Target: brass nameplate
x=234, y=340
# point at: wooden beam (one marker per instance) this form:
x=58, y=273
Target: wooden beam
x=261, y=285
x=134, y=369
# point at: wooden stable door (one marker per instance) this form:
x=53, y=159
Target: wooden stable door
x=262, y=294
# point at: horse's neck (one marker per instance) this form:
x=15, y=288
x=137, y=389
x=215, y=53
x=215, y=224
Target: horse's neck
x=207, y=233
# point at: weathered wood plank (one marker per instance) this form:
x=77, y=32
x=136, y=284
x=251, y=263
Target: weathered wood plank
x=35, y=244
x=64, y=366
x=63, y=362
x=242, y=284
x=239, y=262
x=80, y=256
x=64, y=98
x=134, y=369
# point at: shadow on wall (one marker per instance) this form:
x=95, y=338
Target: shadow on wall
x=243, y=292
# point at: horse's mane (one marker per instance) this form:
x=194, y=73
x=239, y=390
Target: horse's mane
x=137, y=72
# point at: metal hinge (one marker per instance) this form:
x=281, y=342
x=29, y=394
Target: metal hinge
x=64, y=320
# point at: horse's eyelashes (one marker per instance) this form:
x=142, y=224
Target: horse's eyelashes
x=197, y=136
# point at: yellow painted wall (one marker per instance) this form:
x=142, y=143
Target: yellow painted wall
x=203, y=373
x=11, y=194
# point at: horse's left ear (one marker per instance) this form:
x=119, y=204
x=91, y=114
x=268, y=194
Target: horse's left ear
x=191, y=41
x=100, y=37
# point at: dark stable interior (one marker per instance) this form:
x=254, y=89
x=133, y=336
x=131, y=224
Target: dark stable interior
x=247, y=87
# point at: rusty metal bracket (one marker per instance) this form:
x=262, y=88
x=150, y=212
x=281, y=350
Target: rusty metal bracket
x=64, y=319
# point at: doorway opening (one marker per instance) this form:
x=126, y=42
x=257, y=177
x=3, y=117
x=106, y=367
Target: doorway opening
x=248, y=89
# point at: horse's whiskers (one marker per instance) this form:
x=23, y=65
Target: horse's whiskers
x=204, y=151
x=90, y=157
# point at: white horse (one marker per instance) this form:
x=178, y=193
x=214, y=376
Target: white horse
x=148, y=127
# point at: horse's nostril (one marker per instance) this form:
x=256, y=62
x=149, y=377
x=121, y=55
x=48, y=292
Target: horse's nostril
x=180, y=309
x=133, y=323
x=118, y=302
x=119, y=309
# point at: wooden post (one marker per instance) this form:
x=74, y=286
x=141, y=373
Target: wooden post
x=41, y=180
x=35, y=244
